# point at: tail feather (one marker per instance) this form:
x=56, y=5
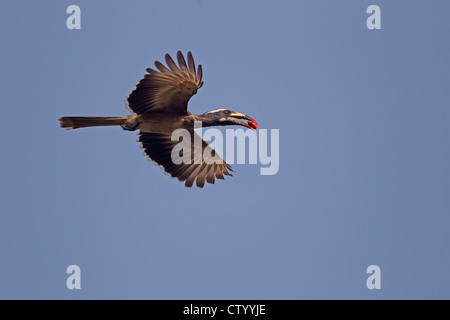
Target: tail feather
x=82, y=122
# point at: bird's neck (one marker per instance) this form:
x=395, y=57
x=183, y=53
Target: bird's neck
x=205, y=121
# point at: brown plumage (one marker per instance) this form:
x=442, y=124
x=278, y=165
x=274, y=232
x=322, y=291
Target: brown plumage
x=159, y=106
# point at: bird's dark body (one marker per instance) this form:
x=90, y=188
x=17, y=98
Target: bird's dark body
x=160, y=122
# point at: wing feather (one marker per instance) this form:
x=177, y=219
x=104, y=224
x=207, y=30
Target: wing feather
x=172, y=65
x=182, y=62
x=200, y=74
x=166, y=89
x=161, y=67
x=158, y=147
x=191, y=62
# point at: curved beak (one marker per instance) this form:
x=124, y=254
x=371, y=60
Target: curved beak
x=237, y=118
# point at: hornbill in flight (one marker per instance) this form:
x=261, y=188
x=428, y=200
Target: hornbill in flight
x=158, y=105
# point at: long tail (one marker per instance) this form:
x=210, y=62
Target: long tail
x=82, y=122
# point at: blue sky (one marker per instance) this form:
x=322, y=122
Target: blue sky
x=363, y=117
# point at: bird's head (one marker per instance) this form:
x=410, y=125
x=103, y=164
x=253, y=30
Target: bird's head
x=223, y=117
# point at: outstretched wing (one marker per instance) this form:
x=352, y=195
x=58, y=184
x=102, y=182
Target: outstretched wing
x=194, y=167
x=166, y=90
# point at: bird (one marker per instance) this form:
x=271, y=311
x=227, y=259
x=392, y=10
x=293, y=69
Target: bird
x=159, y=105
